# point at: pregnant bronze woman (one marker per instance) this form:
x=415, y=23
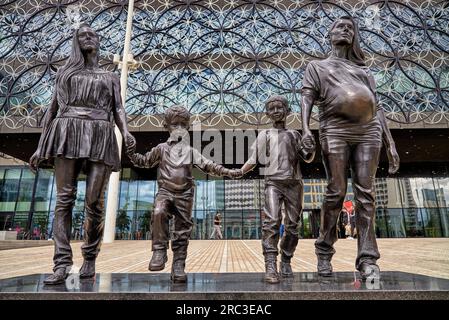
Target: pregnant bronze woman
x=78, y=135
x=351, y=129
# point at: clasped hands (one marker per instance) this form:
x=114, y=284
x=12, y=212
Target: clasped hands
x=130, y=144
x=308, y=141
x=233, y=173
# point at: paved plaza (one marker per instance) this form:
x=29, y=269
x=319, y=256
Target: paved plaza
x=425, y=256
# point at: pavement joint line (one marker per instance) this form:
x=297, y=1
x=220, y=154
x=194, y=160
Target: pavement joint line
x=224, y=258
x=253, y=252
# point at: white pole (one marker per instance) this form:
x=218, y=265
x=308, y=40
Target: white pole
x=114, y=180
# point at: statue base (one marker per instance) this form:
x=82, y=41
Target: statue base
x=227, y=286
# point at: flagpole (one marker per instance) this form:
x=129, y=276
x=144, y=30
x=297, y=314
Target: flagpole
x=114, y=180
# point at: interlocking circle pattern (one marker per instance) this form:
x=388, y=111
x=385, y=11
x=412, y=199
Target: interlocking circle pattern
x=222, y=59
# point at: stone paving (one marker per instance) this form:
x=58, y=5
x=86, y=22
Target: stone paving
x=426, y=256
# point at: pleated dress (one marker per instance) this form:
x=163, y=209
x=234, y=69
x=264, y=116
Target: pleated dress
x=84, y=125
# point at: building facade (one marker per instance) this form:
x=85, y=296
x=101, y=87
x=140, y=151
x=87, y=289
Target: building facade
x=223, y=59
x=406, y=207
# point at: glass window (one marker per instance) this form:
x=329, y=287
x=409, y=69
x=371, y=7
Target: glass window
x=25, y=190
x=233, y=222
x=432, y=222
x=381, y=223
x=21, y=221
x=200, y=227
x=80, y=195
x=51, y=216
x=147, y=194
x=308, y=202
x=77, y=224
x=395, y=223
x=39, y=228
x=413, y=222
x=143, y=222
x=6, y=220
x=123, y=225
x=443, y=185
x=445, y=221
x=9, y=189
x=123, y=194
x=44, y=190
x=132, y=195
x=251, y=224
x=419, y=192
x=405, y=207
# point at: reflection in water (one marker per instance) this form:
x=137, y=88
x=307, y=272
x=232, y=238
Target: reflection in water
x=228, y=283
x=178, y=287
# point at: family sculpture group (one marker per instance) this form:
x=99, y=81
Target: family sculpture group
x=78, y=136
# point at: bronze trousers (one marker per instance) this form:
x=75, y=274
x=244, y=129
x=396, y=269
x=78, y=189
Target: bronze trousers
x=290, y=193
x=362, y=157
x=172, y=205
x=97, y=177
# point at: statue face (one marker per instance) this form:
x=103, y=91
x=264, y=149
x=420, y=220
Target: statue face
x=88, y=39
x=342, y=33
x=277, y=111
x=178, y=127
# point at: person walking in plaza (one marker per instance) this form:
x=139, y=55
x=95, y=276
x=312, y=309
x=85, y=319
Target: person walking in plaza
x=78, y=135
x=279, y=150
x=351, y=128
x=175, y=159
x=216, y=233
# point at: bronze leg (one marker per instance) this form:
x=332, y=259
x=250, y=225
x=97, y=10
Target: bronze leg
x=183, y=222
x=66, y=171
x=293, y=208
x=163, y=212
x=364, y=161
x=96, y=182
x=272, y=221
x=335, y=153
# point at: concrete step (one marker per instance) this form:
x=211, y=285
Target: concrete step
x=19, y=244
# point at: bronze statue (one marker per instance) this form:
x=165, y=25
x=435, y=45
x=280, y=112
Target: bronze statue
x=175, y=159
x=78, y=134
x=280, y=150
x=351, y=129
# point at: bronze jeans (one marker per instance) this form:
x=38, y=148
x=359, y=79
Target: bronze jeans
x=363, y=158
x=178, y=206
x=277, y=192
x=97, y=177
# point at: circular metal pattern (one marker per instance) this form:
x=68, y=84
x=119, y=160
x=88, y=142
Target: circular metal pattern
x=223, y=59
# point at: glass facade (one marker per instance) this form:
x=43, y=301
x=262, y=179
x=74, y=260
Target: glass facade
x=406, y=207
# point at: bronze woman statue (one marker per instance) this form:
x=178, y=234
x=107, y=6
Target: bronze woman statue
x=351, y=129
x=78, y=135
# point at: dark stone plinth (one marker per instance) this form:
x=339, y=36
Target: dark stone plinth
x=228, y=286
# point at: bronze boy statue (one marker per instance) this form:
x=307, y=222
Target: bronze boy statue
x=174, y=199
x=279, y=148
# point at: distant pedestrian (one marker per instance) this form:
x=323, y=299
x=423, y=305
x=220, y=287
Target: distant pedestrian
x=216, y=234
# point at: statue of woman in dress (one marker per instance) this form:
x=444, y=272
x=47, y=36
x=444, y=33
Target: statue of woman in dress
x=78, y=135
x=351, y=129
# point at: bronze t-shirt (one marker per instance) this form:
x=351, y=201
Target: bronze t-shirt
x=345, y=96
x=278, y=150
x=176, y=161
